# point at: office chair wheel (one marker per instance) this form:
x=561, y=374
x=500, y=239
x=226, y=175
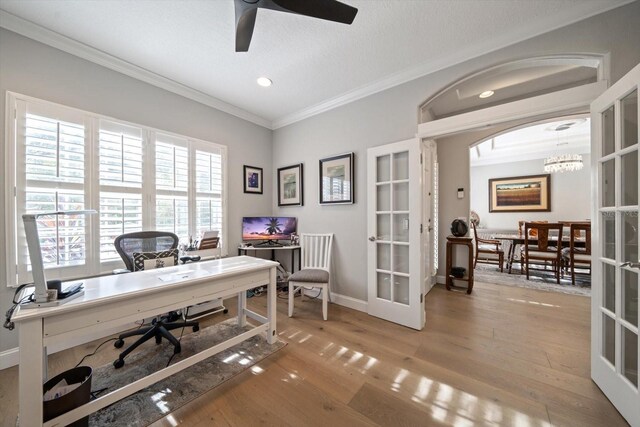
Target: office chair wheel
x=118, y=363
x=196, y=328
x=225, y=311
x=119, y=343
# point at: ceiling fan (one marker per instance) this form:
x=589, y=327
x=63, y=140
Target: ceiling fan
x=330, y=10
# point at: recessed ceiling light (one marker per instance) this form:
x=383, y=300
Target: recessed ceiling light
x=264, y=82
x=486, y=94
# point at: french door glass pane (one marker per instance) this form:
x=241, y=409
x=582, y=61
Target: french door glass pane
x=608, y=131
x=401, y=196
x=609, y=338
x=609, y=282
x=629, y=178
x=630, y=355
x=401, y=227
x=609, y=235
x=630, y=296
x=384, y=256
x=630, y=236
x=401, y=289
x=384, y=286
x=629, y=106
x=383, y=172
x=384, y=227
x=401, y=165
x=383, y=197
x=609, y=183
x=401, y=258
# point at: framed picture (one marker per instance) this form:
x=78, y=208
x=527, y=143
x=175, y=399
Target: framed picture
x=252, y=179
x=520, y=194
x=290, y=189
x=336, y=179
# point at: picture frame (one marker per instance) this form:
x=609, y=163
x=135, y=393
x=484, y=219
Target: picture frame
x=337, y=179
x=252, y=178
x=290, y=185
x=531, y=193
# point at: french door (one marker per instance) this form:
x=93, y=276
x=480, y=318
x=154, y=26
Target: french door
x=394, y=226
x=616, y=274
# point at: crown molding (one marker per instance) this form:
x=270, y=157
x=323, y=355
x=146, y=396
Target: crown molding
x=66, y=44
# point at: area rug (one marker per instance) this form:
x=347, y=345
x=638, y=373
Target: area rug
x=163, y=397
x=540, y=281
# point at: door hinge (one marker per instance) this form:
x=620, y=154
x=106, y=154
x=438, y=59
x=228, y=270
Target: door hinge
x=421, y=298
x=421, y=228
x=420, y=158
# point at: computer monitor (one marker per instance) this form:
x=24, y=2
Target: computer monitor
x=268, y=229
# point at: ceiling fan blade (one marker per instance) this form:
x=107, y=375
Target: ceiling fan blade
x=245, y=21
x=331, y=10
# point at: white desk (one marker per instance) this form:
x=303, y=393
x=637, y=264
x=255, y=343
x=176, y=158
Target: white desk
x=117, y=300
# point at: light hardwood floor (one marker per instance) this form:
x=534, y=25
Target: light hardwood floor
x=501, y=356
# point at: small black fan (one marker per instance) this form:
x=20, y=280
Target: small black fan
x=459, y=228
x=246, y=10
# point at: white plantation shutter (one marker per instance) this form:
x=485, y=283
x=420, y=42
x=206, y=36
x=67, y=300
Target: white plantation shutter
x=209, y=182
x=50, y=173
x=120, y=159
x=137, y=178
x=172, y=185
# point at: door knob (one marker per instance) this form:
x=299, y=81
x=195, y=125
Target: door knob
x=372, y=238
x=631, y=264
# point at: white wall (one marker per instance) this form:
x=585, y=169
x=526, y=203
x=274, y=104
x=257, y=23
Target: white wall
x=34, y=69
x=570, y=193
x=391, y=116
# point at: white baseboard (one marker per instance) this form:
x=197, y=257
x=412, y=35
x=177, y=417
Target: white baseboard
x=349, y=302
x=11, y=357
x=342, y=300
x=441, y=280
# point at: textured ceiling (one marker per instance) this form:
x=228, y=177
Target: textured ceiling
x=314, y=64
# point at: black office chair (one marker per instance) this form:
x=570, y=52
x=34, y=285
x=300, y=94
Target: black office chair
x=147, y=245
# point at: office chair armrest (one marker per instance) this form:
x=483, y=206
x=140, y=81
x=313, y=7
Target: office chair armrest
x=121, y=271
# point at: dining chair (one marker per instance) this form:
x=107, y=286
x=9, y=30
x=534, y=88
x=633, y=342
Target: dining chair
x=574, y=255
x=315, y=271
x=538, y=252
x=488, y=251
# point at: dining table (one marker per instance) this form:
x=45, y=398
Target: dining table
x=518, y=239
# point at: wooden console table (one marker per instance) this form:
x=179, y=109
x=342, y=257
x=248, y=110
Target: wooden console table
x=464, y=241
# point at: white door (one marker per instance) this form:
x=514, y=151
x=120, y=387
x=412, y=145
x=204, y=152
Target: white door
x=429, y=242
x=394, y=214
x=614, y=309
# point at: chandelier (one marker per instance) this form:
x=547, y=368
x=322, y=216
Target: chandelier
x=563, y=163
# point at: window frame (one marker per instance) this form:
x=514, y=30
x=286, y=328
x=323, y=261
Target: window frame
x=16, y=108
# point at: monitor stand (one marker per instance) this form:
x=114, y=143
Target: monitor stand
x=268, y=244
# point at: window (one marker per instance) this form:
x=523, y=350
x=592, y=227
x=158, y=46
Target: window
x=137, y=178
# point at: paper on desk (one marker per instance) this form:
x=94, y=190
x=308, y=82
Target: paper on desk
x=176, y=276
x=60, y=389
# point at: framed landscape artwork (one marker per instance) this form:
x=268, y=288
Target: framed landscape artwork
x=520, y=194
x=252, y=177
x=290, y=190
x=336, y=179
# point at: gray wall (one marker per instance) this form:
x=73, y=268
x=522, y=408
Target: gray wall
x=570, y=193
x=391, y=116
x=34, y=69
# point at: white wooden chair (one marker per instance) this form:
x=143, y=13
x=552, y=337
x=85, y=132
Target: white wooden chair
x=315, y=271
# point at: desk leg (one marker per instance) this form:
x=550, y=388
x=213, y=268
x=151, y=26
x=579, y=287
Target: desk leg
x=31, y=373
x=271, y=306
x=242, y=305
